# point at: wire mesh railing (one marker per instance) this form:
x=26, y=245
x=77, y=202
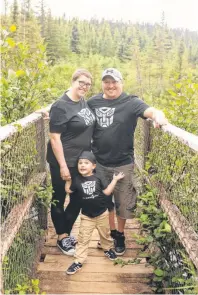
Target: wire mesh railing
x=169, y=162
x=23, y=217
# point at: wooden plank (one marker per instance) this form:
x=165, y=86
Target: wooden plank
x=95, y=277
x=99, y=275
x=93, y=244
x=92, y=252
x=90, y=259
x=63, y=287
x=88, y=267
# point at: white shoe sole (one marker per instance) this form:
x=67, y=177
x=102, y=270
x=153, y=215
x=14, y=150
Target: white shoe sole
x=73, y=273
x=120, y=254
x=69, y=253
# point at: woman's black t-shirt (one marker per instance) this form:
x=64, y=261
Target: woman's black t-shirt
x=75, y=122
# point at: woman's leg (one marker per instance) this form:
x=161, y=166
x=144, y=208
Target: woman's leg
x=73, y=208
x=58, y=199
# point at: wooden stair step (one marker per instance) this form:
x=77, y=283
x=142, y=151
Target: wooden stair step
x=62, y=287
x=94, y=277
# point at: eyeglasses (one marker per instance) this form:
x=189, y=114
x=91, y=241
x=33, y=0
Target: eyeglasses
x=83, y=84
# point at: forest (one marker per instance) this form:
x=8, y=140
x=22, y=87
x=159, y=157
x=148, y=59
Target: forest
x=40, y=52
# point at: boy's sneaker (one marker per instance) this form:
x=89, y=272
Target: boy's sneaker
x=74, y=268
x=110, y=254
x=120, y=244
x=73, y=240
x=65, y=246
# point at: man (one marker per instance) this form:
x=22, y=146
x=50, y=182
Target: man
x=116, y=115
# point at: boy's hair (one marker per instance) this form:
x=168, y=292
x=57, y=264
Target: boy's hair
x=89, y=156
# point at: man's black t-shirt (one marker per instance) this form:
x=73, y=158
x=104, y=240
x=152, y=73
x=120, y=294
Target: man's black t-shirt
x=114, y=131
x=94, y=201
x=75, y=122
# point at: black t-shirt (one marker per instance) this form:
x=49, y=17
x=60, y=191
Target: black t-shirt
x=75, y=122
x=114, y=131
x=94, y=201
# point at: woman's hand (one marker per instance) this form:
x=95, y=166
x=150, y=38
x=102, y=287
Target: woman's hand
x=64, y=173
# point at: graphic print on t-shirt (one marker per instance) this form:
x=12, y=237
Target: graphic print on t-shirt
x=87, y=116
x=104, y=116
x=89, y=187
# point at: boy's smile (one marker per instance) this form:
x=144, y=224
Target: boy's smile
x=85, y=167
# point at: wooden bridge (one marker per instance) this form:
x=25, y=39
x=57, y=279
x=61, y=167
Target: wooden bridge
x=98, y=275
x=25, y=197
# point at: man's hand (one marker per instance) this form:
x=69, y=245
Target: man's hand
x=64, y=173
x=45, y=115
x=159, y=119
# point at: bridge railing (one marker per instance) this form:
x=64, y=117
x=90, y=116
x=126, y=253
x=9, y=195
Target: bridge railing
x=169, y=157
x=23, y=208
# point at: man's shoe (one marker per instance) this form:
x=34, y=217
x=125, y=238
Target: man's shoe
x=74, y=268
x=73, y=240
x=114, y=233
x=120, y=244
x=65, y=246
x=110, y=254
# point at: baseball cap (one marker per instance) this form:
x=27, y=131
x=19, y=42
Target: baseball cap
x=112, y=72
x=89, y=156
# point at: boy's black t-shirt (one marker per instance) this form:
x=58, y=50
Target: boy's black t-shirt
x=75, y=122
x=94, y=201
x=114, y=130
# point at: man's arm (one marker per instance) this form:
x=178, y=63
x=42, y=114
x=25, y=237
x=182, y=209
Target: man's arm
x=57, y=148
x=156, y=115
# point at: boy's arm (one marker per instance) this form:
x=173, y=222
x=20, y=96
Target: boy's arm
x=110, y=188
x=67, y=186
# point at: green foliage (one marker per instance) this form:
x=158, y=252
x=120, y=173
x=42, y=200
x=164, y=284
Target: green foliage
x=23, y=90
x=173, y=269
x=27, y=287
x=44, y=195
x=122, y=263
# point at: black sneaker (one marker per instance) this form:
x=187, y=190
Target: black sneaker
x=110, y=254
x=114, y=233
x=120, y=244
x=74, y=268
x=65, y=246
x=73, y=240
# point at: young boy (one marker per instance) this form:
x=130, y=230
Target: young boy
x=94, y=213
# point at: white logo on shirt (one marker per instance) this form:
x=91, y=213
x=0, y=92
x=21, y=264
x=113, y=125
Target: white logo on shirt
x=87, y=116
x=89, y=187
x=104, y=116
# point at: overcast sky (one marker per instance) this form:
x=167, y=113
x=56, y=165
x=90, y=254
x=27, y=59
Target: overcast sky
x=178, y=13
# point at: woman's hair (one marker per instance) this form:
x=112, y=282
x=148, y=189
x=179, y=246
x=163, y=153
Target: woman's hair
x=80, y=72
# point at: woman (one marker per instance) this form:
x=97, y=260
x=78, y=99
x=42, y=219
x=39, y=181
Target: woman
x=71, y=128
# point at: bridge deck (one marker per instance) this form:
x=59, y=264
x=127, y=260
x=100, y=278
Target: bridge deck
x=99, y=275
